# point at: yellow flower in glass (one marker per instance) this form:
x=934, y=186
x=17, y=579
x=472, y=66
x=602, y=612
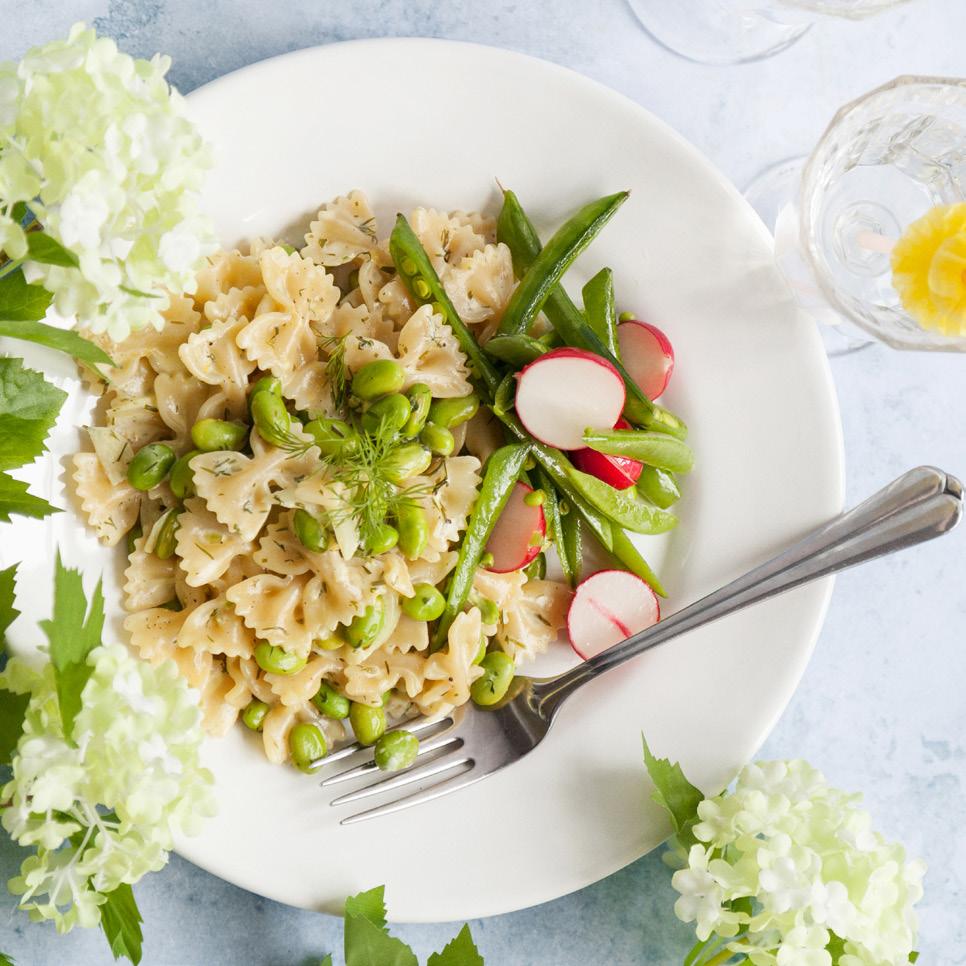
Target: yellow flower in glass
x=929, y=269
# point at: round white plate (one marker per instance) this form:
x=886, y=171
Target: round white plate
x=435, y=123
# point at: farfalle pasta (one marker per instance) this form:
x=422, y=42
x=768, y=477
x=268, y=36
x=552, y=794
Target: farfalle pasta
x=286, y=571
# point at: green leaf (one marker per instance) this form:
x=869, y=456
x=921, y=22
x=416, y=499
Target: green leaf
x=370, y=905
x=28, y=409
x=6, y=960
x=63, y=340
x=459, y=951
x=14, y=498
x=73, y=631
x=13, y=707
x=367, y=945
x=914, y=956
x=8, y=613
x=42, y=248
x=675, y=793
x=121, y=922
x=20, y=302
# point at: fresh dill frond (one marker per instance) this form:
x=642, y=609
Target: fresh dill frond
x=335, y=371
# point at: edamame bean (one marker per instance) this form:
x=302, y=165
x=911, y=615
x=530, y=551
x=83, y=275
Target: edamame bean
x=332, y=643
x=420, y=398
x=306, y=745
x=276, y=660
x=489, y=611
x=437, y=439
x=487, y=560
x=253, y=716
x=537, y=568
x=164, y=544
x=426, y=604
x=387, y=415
x=413, y=530
x=310, y=532
x=365, y=627
x=272, y=419
x=151, y=464
x=378, y=378
x=211, y=435
x=332, y=436
x=330, y=702
x=497, y=676
x=405, y=462
x=270, y=384
x=481, y=653
x=453, y=412
x=368, y=723
x=182, y=479
x=383, y=537
x=396, y=751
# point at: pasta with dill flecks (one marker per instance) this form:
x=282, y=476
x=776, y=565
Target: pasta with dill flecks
x=309, y=551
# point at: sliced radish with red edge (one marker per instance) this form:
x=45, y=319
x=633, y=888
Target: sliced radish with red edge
x=647, y=355
x=608, y=607
x=621, y=472
x=518, y=535
x=565, y=392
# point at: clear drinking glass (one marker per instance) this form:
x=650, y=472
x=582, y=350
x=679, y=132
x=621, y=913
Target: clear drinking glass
x=737, y=31
x=885, y=160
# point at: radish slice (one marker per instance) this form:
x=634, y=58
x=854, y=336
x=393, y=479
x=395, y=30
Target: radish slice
x=647, y=355
x=608, y=607
x=565, y=392
x=518, y=535
x=621, y=472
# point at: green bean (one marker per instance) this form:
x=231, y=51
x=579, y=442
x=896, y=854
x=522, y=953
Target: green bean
x=570, y=549
x=537, y=568
x=495, y=682
x=659, y=487
x=276, y=660
x=576, y=233
x=655, y=449
x=182, y=479
x=502, y=471
x=420, y=398
x=406, y=249
x=309, y=530
x=272, y=419
x=330, y=702
x=517, y=233
x=378, y=378
x=382, y=538
x=150, y=465
x=134, y=534
x=600, y=308
x=623, y=507
x=270, y=384
x=413, y=530
x=364, y=628
x=389, y=415
x=306, y=745
x=368, y=723
x=454, y=412
x=332, y=436
x=405, y=462
x=396, y=751
x=212, y=435
x=253, y=716
x=516, y=350
x=165, y=543
x=426, y=604
x=437, y=439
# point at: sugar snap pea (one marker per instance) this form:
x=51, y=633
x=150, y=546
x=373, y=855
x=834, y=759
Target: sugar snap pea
x=600, y=309
x=659, y=487
x=630, y=559
x=546, y=270
x=517, y=350
x=569, y=548
x=655, y=449
x=502, y=470
x=551, y=513
x=623, y=507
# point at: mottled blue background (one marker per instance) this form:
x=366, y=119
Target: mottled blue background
x=881, y=707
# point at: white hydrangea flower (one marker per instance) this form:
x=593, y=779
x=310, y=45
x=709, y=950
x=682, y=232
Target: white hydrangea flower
x=130, y=780
x=98, y=145
x=787, y=865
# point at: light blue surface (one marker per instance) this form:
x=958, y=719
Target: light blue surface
x=881, y=707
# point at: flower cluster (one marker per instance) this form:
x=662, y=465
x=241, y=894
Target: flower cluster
x=101, y=810
x=929, y=269
x=788, y=871
x=97, y=146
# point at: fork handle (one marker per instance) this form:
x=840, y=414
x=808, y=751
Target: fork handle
x=920, y=505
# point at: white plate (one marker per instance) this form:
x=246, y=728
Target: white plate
x=433, y=122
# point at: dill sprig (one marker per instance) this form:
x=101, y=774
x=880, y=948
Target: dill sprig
x=336, y=372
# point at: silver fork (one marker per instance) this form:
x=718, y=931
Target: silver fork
x=473, y=743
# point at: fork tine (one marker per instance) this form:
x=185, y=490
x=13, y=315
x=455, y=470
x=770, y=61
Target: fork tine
x=468, y=776
x=415, y=727
x=429, y=770
x=370, y=766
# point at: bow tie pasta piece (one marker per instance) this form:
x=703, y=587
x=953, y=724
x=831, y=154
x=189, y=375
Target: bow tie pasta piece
x=205, y=546
x=222, y=696
x=215, y=627
x=429, y=353
x=131, y=424
x=344, y=229
x=272, y=607
x=179, y=398
x=111, y=509
x=296, y=690
x=480, y=286
x=227, y=271
x=280, y=551
x=149, y=581
x=450, y=492
x=449, y=237
x=309, y=389
x=213, y=356
x=280, y=721
x=450, y=672
x=432, y=571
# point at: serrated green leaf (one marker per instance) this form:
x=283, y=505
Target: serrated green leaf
x=13, y=707
x=28, y=409
x=6, y=960
x=366, y=945
x=370, y=905
x=20, y=302
x=8, y=587
x=41, y=247
x=459, y=951
x=63, y=340
x=14, y=498
x=121, y=923
x=74, y=630
x=325, y=961
x=673, y=792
